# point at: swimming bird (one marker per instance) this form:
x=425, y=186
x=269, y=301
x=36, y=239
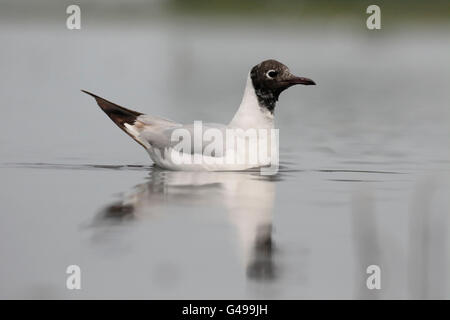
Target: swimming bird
x=240, y=145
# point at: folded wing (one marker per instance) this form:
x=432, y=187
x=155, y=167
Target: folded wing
x=132, y=122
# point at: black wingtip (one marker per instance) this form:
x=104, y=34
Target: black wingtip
x=119, y=115
x=109, y=106
x=89, y=93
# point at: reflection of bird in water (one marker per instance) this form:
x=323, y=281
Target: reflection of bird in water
x=247, y=197
x=261, y=266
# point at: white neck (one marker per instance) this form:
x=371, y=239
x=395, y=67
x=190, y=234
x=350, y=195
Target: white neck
x=250, y=114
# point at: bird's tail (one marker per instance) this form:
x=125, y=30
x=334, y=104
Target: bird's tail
x=125, y=119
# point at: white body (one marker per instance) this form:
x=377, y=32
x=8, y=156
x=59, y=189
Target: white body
x=155, y=134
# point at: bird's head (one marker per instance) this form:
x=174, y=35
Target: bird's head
x=270, y=78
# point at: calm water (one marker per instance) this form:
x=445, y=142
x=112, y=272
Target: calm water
x=364, y=178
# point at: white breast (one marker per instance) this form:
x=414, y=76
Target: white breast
x=250, y=114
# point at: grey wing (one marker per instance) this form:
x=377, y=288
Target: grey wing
x=153, y=130
x=173, y=134
x=156, y=121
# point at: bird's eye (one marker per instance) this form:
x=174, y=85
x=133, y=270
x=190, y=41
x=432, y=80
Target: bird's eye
x=271, y=74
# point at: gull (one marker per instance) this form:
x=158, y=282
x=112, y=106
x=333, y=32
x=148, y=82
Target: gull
x=158, y=136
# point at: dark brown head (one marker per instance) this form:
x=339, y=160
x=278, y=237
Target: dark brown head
x=270, y=78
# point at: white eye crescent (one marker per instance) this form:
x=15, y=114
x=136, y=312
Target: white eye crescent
x=271, y=74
